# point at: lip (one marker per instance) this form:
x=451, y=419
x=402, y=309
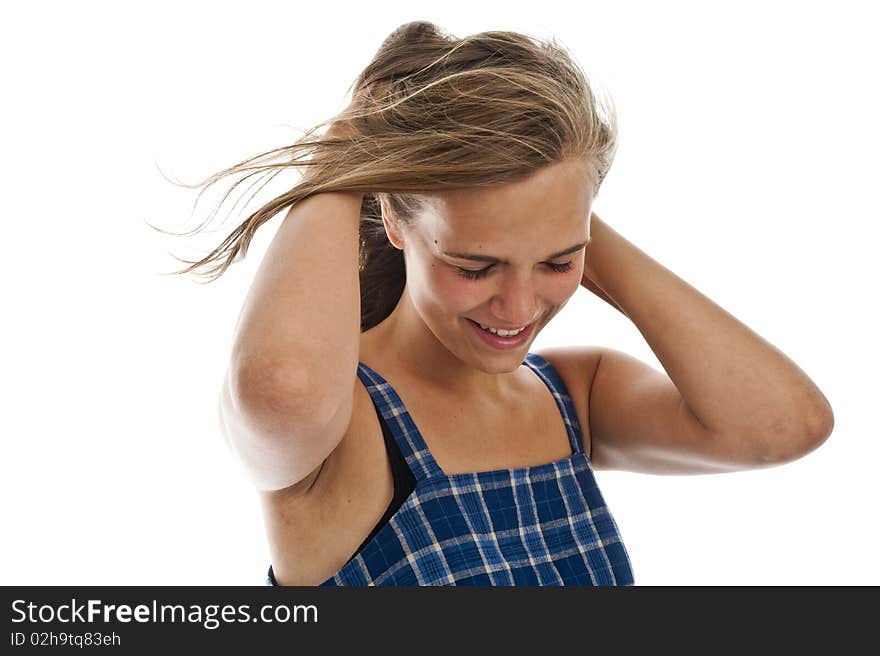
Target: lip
x=503, y=343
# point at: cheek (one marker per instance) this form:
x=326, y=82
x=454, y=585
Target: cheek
x=555, y=289
x=451, y=291
x=569, y=286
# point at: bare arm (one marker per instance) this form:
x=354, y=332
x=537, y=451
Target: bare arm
x=730, y=400
x=289, y=391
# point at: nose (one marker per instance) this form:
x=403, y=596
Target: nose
x=515, y=301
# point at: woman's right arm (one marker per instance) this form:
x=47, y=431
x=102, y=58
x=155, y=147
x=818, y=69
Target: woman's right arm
x=289, y=391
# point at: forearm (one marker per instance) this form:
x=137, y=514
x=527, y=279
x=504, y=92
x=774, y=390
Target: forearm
x=731, y=379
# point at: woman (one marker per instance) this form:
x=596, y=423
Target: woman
x=381, y=392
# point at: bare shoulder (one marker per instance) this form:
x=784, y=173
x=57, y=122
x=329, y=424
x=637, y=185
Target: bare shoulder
x=576, y=365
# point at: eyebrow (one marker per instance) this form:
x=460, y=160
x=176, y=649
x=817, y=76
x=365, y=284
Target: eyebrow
x=489, y=258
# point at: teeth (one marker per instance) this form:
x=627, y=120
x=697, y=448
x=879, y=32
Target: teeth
x=501, y=332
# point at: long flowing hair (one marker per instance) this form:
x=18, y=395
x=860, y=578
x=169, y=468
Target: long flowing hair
x=430, y=113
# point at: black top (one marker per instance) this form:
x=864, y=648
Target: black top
x=404, y=484
x=404, y=481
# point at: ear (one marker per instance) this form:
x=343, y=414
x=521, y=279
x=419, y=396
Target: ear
x=392, y=225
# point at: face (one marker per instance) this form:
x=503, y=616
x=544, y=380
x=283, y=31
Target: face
x=504, y=257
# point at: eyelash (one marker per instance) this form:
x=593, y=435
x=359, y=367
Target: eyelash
x=481, y=273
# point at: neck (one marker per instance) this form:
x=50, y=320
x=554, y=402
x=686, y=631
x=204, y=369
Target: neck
x=407, y=342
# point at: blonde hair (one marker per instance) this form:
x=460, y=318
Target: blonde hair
x=431, y=113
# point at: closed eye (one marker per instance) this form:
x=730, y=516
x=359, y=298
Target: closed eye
x=471, y=274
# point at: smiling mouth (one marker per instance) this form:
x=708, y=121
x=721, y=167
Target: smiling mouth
x=518, y=330
x=506, y=331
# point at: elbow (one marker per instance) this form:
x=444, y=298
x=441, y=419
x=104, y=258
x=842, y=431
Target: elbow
x=819, y=423
x=822, y=421
x=815, y=423
x=276, y=398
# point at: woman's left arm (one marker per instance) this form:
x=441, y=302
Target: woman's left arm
x=733, y=381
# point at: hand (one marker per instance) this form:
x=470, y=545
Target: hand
x=340, y=129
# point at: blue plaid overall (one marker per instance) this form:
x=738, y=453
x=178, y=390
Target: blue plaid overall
x=541, y=525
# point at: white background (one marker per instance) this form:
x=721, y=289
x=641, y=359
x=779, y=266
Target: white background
x=747, y=166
